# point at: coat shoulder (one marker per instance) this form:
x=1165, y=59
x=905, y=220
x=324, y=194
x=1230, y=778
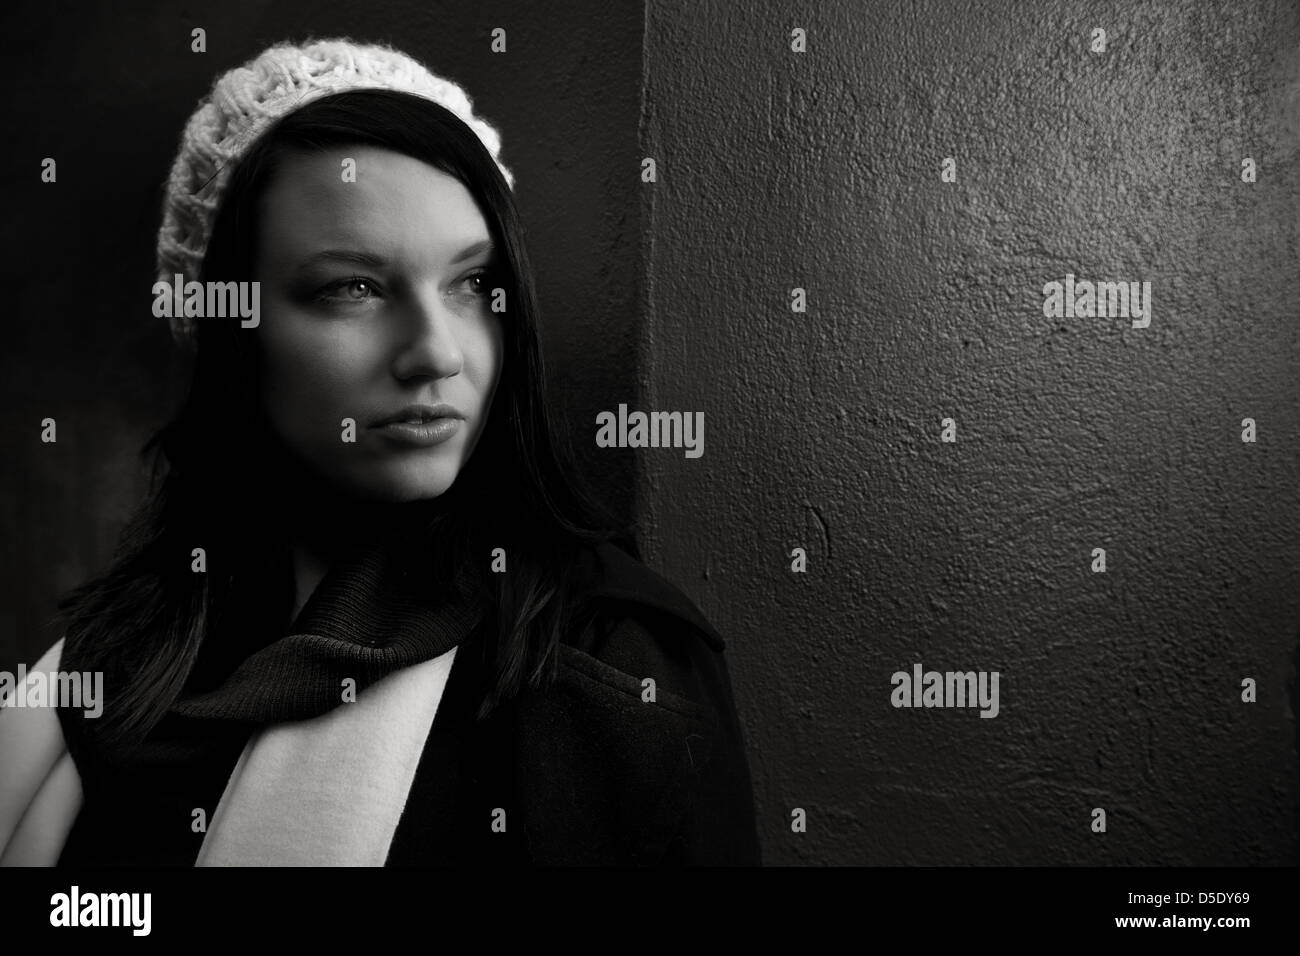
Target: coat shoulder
x=639, y=623
x=612, y=581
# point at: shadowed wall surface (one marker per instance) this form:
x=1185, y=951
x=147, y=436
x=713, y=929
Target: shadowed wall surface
x=821, y=170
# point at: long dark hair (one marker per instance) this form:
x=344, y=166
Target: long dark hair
x=226, y=476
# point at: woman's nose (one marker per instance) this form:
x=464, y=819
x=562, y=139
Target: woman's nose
x=428, y=344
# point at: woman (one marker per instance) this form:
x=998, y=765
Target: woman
x=369, y=615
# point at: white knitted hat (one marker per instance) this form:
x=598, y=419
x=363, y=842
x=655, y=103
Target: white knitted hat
x=248, y=99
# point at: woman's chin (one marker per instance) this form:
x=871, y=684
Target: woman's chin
x=401, y=488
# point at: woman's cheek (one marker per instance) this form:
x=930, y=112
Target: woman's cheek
x=308, y=399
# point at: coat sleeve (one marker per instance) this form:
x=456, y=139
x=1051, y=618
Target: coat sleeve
x=718, y=828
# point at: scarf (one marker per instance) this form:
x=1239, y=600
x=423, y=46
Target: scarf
x=335, y=714
x=374, y=613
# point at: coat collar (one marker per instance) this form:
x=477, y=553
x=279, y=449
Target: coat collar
x=616, y=575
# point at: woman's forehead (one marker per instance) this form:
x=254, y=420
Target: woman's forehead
x=364, y=198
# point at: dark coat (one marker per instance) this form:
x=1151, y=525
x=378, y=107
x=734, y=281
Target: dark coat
x=590, y=772
x=587, y=771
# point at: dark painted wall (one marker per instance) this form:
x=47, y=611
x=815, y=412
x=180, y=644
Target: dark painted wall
x=821, y=170
x=106, y=93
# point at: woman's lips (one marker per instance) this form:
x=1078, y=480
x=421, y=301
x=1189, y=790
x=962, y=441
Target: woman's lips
x=422, y=434
x=418, y=414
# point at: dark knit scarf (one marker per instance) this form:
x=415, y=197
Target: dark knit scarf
x=394, y=596
x=377, y=611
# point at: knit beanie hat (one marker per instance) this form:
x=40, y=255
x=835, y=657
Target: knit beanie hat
x=245, y=101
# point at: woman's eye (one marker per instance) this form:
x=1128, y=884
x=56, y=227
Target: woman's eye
x=480, y=283
x=355, y=289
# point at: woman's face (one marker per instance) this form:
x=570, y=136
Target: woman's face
x=376, y=308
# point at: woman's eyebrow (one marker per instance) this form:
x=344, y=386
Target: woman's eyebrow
x=344, y=255
x=485, y=245
x=377, y=262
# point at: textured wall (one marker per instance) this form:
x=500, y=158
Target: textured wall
x=821, y=170
x=106, y=89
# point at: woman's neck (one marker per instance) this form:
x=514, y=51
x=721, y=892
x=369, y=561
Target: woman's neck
x=309, y=569
x=325, y=528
